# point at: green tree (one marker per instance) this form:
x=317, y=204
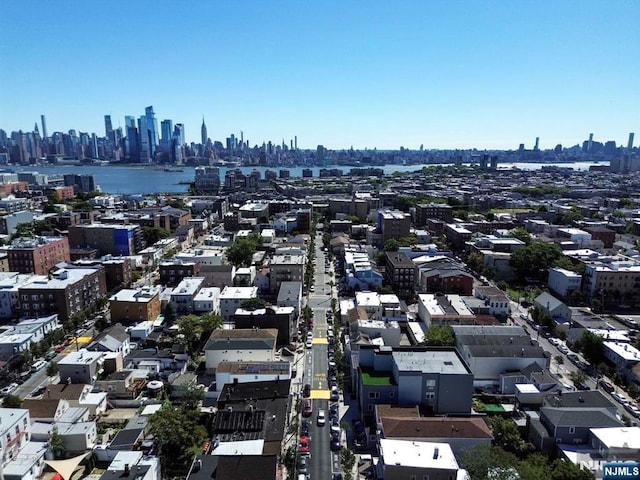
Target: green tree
x=578, y=377
x=253, y=303
x=153, y=234
x=169, y=313
x=535, y=259
x=439, y=336
x=52, y=369
x=209, y=322
x=521, y=234
x=392, y=245
x=240, y=253
x=506, y=436
x=474, y=262
x=563, y=470
x=482, y=459
x=177, y=435
x=56, y=443
x=190, y=329
x=12, y=401
x=591, y=346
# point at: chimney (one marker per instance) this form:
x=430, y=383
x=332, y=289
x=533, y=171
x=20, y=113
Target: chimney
x=126, y=470
x=436, y=453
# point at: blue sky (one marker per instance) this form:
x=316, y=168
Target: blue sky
x=446, y=74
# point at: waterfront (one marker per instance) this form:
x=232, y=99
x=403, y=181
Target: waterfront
x=147, y=180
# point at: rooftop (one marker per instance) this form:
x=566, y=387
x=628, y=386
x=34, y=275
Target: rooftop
x=430, y=361
x=428, y=455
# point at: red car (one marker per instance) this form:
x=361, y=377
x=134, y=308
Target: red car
x=303, y=444
x=60, y=348
x=307, y=410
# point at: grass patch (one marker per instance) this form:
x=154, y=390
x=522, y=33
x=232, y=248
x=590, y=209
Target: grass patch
x=376, y=378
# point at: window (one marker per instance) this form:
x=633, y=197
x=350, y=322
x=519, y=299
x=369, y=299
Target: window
x=374, y=395
x=572, y=430
x=430, y=383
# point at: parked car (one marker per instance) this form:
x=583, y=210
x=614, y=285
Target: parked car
x=303, y=444
x=307, y=410
x=8, y=389
x=334, y=396
x=60, y=348
x=606, y=386
x=335, y=444
x=50, y=356
x=306, y=391
x=620, y=398
x=304, y=428
x=321, y=419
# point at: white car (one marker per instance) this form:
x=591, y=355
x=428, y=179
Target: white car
x=309, y=343
x=321, y=420
x=620, y=398
x=8, y=389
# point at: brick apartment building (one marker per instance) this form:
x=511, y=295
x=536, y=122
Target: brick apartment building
x=37, y=255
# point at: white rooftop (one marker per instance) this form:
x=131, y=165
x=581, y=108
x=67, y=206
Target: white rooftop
x=82, y=356
x=61, y=279
x=624, y=350
x=188, y=286
x=619, y=437
x=428, y=455
x=134, y=295
x=367, y=299
x=527, y=388
x=239, y=293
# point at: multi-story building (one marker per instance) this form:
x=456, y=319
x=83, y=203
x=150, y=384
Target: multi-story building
x=442, y=274
x=9, y=222
x=438, y=211
x=65, y=292
x=457, y=235
x=232, y=297
x=399, y=272
x=617, y=280
x=490, y=351
x=437, y=380
x=135, y=305
x=21, y=458
x=81, y=183
x=113, y=239
x=82, y=366
x=563, y=282
x=172, y=272
x=240, y=345
x=400, y=459
x=183, y=296
x=12, y=204
x=282, y=319
x=285, y=268
x=438, y=309
x=393, y=224
x=37, y=255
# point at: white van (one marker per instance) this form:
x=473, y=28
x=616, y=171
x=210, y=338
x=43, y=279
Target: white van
x=39, y=365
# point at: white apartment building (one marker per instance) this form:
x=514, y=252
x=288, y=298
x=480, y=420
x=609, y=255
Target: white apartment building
x=563, y=282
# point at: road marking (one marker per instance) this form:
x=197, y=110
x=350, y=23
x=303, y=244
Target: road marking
x=320, y=394
x=320, y=341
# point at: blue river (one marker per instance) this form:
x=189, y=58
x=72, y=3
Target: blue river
x=147, y=180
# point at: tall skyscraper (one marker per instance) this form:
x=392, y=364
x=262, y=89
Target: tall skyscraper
x=108, y=128
x=152, y=127
x=537, y=145
x=590, y=144
x=129, y=121
x=166, y=135
x=144, y=140
x=630, y=142
x=44, y=127
x=178, y=133
x=203, y=132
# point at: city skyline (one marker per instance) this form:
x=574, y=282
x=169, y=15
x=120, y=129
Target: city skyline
x=487, y=76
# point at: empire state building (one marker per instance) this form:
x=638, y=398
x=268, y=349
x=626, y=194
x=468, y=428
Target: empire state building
x=203, y=133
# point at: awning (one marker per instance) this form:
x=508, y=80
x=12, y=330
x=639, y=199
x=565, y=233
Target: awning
x=65, y=468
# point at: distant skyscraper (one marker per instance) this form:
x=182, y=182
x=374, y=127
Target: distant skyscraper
x=203, y=133
x=44, y=126
x=590, y=144
x=152, y=127
x=178, y=133
x=166, y=135
x=130, y=121
x=295, y=142
x=36, y=129
x=144, y=136
x=108, y=128
x=630, y=143
x=537, y=145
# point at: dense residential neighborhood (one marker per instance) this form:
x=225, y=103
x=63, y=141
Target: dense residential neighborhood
x=457, y=322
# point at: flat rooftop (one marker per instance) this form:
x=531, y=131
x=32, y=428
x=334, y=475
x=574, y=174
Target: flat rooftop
x=444, y=362
x=428, y=455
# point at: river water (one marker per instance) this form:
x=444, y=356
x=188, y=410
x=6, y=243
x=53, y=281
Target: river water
x=146, y=180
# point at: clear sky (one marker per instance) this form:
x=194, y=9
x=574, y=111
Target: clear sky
x=385, y=74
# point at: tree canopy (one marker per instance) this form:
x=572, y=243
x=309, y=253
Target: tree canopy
x=536, y=259
x=240, y=253
x=591, y=346
x=440, y=336
x=177, y=434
